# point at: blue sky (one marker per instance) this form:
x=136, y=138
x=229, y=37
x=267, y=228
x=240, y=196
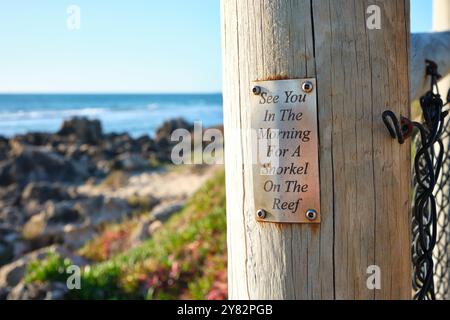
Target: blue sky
x=123, y=46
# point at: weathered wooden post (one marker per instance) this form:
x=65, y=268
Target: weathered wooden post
x=364, y=174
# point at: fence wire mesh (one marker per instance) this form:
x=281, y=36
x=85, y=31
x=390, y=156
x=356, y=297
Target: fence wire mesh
x=442, y=248
x=441, y=231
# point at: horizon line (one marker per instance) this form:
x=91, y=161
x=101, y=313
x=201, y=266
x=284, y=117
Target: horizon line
x=111, y=93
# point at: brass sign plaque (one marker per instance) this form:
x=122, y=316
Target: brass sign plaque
x=285, y=141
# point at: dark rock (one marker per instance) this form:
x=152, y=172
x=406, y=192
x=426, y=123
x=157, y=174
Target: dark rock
x=38, y=291
x=11, y=216
x=69, y=218
x=31, y=291
x=165, y=210
x=146, y=145
x=44, y=191
x=36, y=170
x=114, y=145
x=164, y=133
x=6, y=252
x=50, y=224
x=4, y=148
x=62, y=213
x=35, y=164
x=144, y=139
x=10, y=195
x=78, y=236
x=100, y=210
x=163, y=141
x=83, y=129
x=5, y=173
x=12, y=274
x=34, y=138
x=123, y=144
x=58, y=291
x=130, y=162
x=4, y=293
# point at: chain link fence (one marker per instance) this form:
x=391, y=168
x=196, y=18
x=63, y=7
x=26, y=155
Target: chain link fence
x=438, y=229
x=441, y=251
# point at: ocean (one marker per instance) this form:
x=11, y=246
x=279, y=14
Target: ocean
x=136, y=114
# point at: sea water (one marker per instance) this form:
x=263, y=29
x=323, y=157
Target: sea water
x=136, y=114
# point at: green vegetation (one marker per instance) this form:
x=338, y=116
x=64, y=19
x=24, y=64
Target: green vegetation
x=52, y=268
x=112, y=241
x=185, y=258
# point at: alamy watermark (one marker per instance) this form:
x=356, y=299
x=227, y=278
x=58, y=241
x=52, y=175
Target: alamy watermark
x=374, y=280
x=73, y=21
x=373, y=21
x=73, y=281
x=205, y=146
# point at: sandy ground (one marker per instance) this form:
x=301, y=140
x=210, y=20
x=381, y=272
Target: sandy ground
x=168, y=185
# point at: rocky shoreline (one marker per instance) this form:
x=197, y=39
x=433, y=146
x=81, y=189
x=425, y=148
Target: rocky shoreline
x=59, y=189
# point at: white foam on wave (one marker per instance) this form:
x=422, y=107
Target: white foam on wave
x=50, y=114
x=135, y=118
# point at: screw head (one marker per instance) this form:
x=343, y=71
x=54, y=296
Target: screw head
x=311, y=215
x=261, y=213
x=257, y=90
x=307, y=86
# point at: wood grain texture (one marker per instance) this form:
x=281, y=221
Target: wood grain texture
x=365, y=176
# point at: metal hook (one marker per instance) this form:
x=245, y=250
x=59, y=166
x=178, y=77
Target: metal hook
x=432, y=69
x=398, y=130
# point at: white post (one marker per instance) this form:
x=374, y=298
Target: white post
x=441, y=15
x=441, y=22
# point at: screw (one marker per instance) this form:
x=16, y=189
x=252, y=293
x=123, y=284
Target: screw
x=261, y=213
x=307, y=87
x=311, y=215
x=257, y=90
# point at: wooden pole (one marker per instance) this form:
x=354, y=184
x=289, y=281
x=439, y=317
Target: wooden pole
x=365, y=175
